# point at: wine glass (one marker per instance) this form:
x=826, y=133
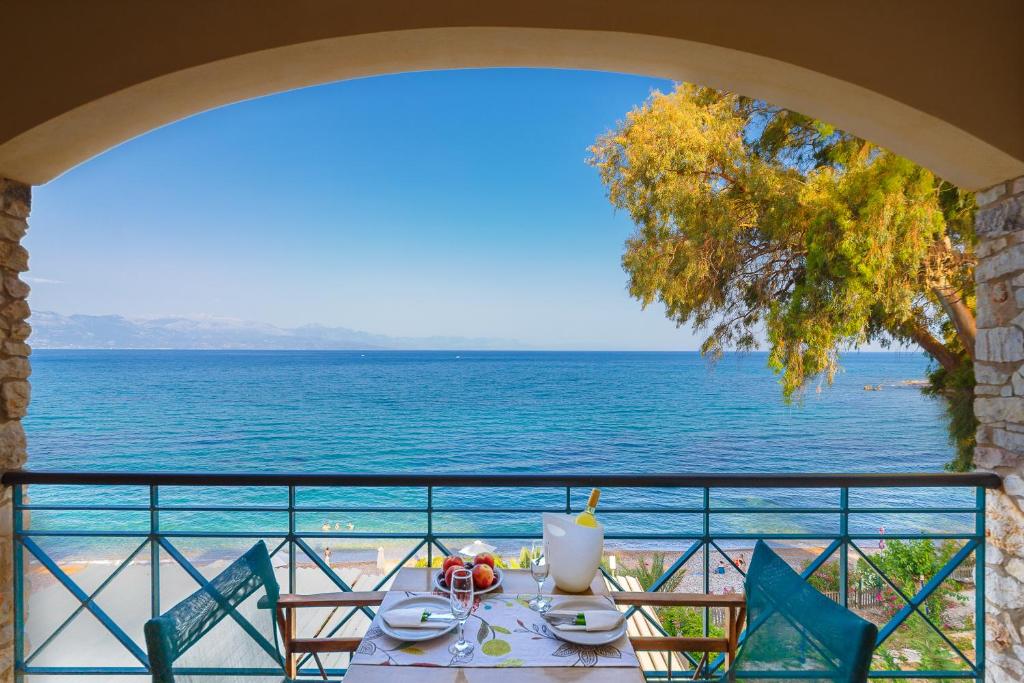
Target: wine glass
x=461, y=600
x=539, y=571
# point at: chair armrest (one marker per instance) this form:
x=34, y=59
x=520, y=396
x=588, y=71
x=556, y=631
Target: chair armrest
x=660, y=599
x=339, y=599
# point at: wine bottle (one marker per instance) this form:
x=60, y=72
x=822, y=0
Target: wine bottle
x=587, y=518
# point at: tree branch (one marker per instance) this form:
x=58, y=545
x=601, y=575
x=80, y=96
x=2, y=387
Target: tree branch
x=936, y=349
x=951, y=299
x=961, y=316
x=722, y=175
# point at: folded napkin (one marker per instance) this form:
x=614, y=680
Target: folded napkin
x=593, y=619
x=410, y=617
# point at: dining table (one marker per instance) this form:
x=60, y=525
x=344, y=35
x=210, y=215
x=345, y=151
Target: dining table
x=517, y=585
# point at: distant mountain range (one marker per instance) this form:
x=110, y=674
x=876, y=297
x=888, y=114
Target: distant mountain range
x=56, y=331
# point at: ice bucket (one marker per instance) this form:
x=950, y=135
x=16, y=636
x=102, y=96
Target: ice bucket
x=573, y=552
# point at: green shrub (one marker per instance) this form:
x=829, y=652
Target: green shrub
x=910, y=565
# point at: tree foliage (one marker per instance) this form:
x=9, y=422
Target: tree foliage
x=755, y=221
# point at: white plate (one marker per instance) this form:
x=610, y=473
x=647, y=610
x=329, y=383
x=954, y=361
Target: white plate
x=586, y=637
x=431, y=603
x=498, y=576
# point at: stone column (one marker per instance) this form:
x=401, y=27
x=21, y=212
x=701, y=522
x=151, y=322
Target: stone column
x=999, y=404
x=15, y=201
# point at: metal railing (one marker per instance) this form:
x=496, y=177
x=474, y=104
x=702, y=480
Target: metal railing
x=693, y=517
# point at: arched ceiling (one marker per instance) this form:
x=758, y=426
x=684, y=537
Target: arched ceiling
x=941, y=81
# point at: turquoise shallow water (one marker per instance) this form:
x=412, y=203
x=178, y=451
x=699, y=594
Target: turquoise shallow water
x=384, y=411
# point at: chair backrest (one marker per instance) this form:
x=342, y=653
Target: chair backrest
x=794, y=628
x=229, y=623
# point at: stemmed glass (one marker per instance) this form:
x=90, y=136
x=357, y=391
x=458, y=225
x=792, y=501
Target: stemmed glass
x=539, y=571
x=461, y=600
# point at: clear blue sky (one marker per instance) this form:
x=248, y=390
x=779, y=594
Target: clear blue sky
x=444, y=203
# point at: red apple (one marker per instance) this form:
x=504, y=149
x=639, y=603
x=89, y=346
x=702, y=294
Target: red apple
x=449, y=562
x=483, y=576
x=484, y=558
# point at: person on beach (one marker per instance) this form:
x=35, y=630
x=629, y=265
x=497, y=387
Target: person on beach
x=881, y=541
x=721, y=567
x=327, y=555
x=740, y=562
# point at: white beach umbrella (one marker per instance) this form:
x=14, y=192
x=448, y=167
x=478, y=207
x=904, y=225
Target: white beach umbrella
x=475, y=548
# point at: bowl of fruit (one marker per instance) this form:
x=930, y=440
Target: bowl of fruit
x=486, y=577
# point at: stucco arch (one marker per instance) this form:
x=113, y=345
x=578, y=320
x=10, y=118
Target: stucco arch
x=117, y=70
x=941, y=81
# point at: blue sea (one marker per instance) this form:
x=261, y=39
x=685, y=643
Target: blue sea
x=470, y=412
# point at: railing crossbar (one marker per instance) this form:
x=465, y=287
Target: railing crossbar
x=83, y=598
x=82, y=605
x=719, y=481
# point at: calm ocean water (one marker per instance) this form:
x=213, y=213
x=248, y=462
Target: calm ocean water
x=384, y=411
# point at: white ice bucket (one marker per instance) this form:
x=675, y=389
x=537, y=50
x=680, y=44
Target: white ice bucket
x=573, y=552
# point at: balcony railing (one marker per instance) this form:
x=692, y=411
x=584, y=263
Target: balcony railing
x=846, y=526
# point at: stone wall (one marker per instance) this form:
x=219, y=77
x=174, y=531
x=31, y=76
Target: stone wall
x=999, y=404
x=15, y=201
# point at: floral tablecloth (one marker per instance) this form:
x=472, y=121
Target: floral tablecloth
x=506, y=633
